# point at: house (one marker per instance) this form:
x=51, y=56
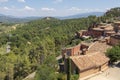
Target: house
x=106, y=30
x=115, y=39
x=82, y=33
x=77, y=50
x=71, y=51
x=97, y=31
x=110, y=33
x=117, y=26
x=85, y=65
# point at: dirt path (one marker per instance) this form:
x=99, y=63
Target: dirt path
x=113, y=73
x=30, y=77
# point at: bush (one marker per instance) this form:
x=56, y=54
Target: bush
x=74, y=77
x=114, y=54
x=62, y=76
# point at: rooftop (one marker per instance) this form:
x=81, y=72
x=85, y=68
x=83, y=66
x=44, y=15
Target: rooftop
x=117, y=36
x=105, y=27
x=85, y=62
x=117, y=22
x=113, y=32
x=98, y=29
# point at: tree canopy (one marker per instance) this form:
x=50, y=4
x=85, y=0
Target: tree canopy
x=114, y=53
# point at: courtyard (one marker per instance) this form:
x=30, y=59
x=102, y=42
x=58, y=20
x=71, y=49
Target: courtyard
x=112, y=73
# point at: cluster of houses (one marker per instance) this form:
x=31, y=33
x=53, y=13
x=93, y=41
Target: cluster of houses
x=84, y=62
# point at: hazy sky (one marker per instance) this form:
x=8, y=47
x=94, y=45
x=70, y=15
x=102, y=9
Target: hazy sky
x=54, y=7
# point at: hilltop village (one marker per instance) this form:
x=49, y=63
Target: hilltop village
x=88, y=57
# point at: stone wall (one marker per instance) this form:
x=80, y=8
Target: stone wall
x=114, y=41
x=72, y=51
x=88, y=72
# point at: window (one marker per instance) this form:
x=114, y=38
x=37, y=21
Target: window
x=68, y=53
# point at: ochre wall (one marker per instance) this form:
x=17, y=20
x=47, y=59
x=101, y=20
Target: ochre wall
x=93, y=70
x=96, y=33
x=104, y=67
x=114, y=41
x=73, y=51
x=88, y=72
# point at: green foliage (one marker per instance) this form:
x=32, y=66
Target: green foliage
x=111, y=15
x=61, y=76
x=69, y=69
x=114, y=12
x=75, y=77
x=46, y=71
x=114, y=53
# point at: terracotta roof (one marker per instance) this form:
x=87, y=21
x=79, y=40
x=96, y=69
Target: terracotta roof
x=113, y=32
x=105, y=27
x=99, y=58
x=117, y=22
x=98, y=29
x=117, y=36
x=102, y=26
x=109, y=27
x=85, y=62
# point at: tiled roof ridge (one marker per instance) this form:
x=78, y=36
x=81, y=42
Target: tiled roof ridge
x=88, y=61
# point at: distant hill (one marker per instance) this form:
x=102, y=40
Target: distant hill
x=1, y=15
x=12, y=19
x=83, y=15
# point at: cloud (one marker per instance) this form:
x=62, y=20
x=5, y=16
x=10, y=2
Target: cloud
x=95, y=10
x=75, y=9
x=6, y=8
x=3, y=1
x=58, y=1
x=85, y=10
x=2, y=9
x=21, y=0
x=107, y=8
x=29, y=8
x=48, y=9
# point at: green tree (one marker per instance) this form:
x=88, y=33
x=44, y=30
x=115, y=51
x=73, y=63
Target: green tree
x=69, y=69
x=46, y=71
x=114, y=53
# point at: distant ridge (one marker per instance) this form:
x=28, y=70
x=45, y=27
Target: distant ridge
x=13, y=19
x=83, y=15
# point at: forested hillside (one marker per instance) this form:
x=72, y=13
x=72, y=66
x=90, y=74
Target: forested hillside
x=35, y=45
x=12, y=19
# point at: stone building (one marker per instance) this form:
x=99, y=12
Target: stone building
x=86, y=65
x=98, y=31
x=77, y=50
x=71, y=51
x=81, y=33
x=115, y=39
x=106, y=30
x=117, y=26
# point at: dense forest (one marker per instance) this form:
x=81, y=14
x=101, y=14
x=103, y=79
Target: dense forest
x=35, y=45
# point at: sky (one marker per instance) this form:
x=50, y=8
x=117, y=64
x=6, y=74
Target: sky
x=23, y=8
